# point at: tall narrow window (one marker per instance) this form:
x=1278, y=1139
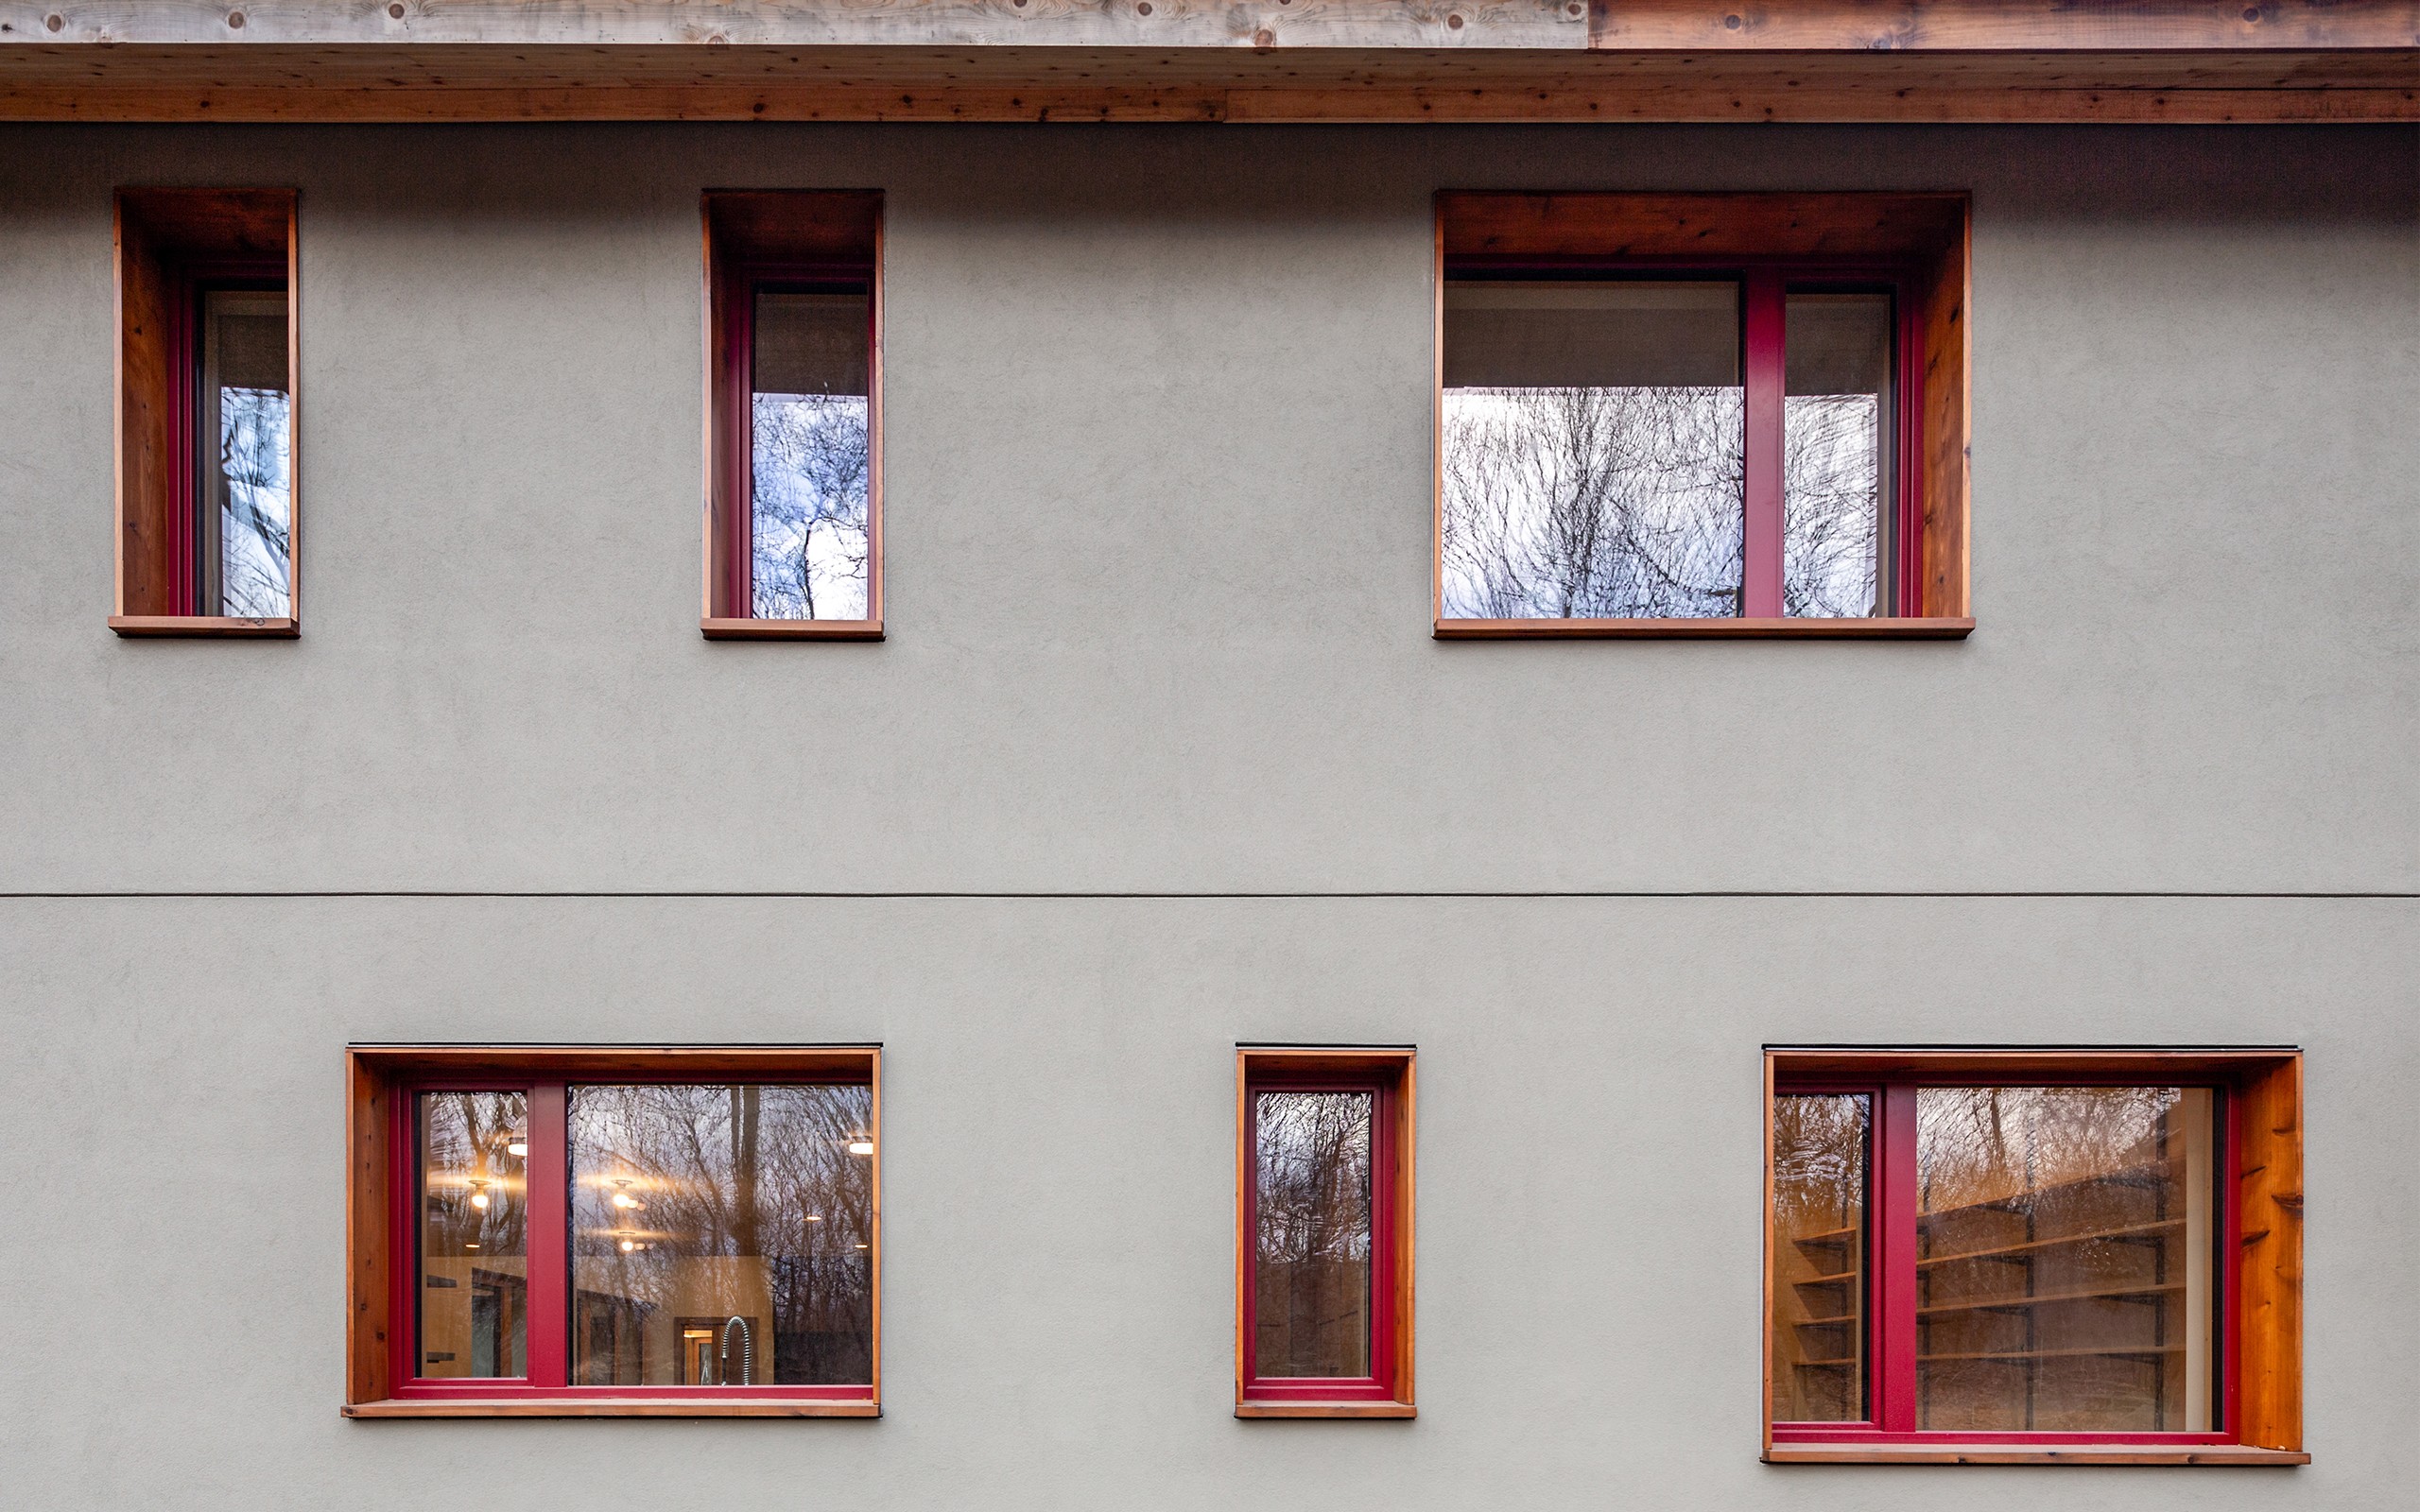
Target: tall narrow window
x=585, y=1231
x=1324, y=1247
x=206, y=414
x=1701, y=415
x=2038, y=1252
x=793, y=485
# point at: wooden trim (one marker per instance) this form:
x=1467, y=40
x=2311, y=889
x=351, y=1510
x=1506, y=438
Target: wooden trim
x=746, y=630
x=2017, y=1454
x=1396, y=1066
x=616, y=1408
x=1981, y=26
x=2091, y=73
x=2269, y=1305
x=1326, y=1409
x=372, y=1073
x=137, y=626
x=160, y=234
x=1765, y=1281
x=1729, y=630
x=805, y=228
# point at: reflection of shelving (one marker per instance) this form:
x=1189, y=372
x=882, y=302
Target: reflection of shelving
x=2113, y=1294
x=2133, y=1233
x=2147, y=1352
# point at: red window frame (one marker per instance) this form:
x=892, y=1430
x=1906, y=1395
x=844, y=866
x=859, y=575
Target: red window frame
x=1386, y=1390
x=190, y=283
x=1890, y=1081
x=388, y=1088
x=1765, y=285
x=746, y=280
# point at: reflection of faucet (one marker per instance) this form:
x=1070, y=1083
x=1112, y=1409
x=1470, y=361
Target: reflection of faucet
x=746, y=1350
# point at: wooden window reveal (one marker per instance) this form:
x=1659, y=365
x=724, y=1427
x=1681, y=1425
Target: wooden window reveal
x=1323, y=1233
x=1702, y=415
x=2006, y=1257
x=793, y=415
x=613, y=1232
x=208, y=447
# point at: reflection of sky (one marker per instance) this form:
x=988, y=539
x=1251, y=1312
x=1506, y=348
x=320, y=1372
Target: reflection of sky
x=809, y=473
x=256, y=517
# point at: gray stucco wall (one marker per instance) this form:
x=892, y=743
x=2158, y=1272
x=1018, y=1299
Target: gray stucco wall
x=1157, y=488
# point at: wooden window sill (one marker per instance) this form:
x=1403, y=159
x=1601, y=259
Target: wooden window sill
x=1326, y=1409
x=616, y=1408
x=738, y=630
x=1708, y=629
x=2029, y=1455
x=130, y=625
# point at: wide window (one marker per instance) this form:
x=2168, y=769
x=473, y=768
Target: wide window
x=1324, y=1260
x=1673, y=414
x=2045, y=1254
x=205, y=412
x=591, y=1231
x=794, y=499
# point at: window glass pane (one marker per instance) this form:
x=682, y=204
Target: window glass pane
x=1594, y=451
x=1819, y=1257
x=247, y=488
x=2065, y=1273
x=721, y=1235
x=1311, y=1275
x=1836, y=445
x=473, y=1234
x=809, y=457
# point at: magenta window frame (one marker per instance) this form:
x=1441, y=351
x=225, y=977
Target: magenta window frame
x=549, y=1293
x=747, y=280
x=1765, y=286
x=1891, y=1207
x=1379, y=1385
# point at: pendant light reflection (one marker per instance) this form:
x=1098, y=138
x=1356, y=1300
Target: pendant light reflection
x=860, y=1144
x=479, y=1195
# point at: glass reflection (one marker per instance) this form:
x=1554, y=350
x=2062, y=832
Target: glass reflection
x=1836, y=441
x=1594, y=450
x=809, y=456
x=473, y=1234
x=246, y=505
x=2065, y=1274
x=1311, y=1174
x=1819, y=1257
x=721, y=1235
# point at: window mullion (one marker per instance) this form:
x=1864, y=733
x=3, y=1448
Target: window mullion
x=1763, y=376
x=1895, y=1241
x=549, y=1260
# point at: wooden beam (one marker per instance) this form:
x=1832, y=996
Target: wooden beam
x=1978, y=25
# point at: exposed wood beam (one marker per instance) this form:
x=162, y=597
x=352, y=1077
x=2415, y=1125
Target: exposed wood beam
x=1982, y=61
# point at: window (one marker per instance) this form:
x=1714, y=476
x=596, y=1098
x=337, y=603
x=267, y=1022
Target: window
x=592, y=1232
x=794, y=407
x=206, y=541
x=1701, y=415
x=2031, y=1256
x=1324, y=1159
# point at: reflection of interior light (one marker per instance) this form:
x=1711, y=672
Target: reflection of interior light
x=861, y=1146
x=627, y=1245
x=479, y=1195
x=470, y=1246
x=861, y=1246
x=518, y=1147
x=623, y=1199
x=815, y=1217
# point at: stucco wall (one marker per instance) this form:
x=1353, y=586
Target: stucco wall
x=1157, y=492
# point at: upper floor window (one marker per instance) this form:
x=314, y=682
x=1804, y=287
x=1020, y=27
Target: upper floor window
x=1324, y=1260
x=588, y=1231
x=794, y=517
x=206, y=509
x=2042, y=1253
x=1674, y=414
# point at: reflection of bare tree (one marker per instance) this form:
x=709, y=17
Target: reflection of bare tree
x=1831, y=504
x=1818, y=1193
x=256, y=512
x=1312, y=1178
x=1592, y=503
x=734, y=1201
x=1983, y=1143
x=811, y=501
x=473, y=1281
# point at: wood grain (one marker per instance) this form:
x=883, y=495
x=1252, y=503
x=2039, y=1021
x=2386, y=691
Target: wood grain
x=1851, y=1453
x=614, y=1407
x=139, y=626
x=1976, y=25
x=1326, y=1409
x=134, y=82
x=369, y=1243
x=2270, y=1269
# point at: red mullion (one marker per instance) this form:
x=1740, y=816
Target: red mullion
x=184, y=426
x=1379, y=1384
x=741, y=355
x=2231, y=1232
x=548, y=1196
x=1894, y=1236
x=1907, y=592
x=1763, y=375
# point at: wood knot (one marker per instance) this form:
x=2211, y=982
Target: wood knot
x=1454, y=23
x=396, y=11
x=236, y=19
x=53, y=21
x=1143, y=10
x=1731, y=23
x=1264, y=38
